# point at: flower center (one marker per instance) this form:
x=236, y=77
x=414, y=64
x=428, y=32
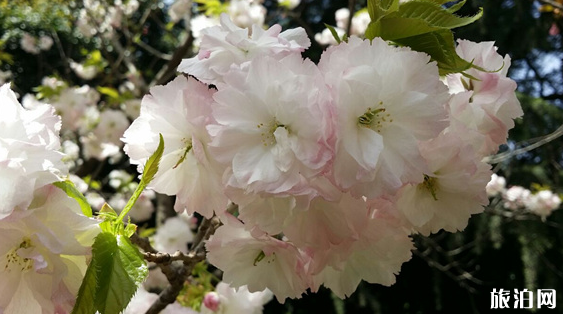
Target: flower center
x=262, y=255
x=14, y=261
x=430, y=184
x=376, y=118
x=188, y=146
x=268, y=137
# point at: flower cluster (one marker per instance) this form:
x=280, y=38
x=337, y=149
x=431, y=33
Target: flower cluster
x=45, y=236
x=333, y=165
x=541, y=203
x=98, y=18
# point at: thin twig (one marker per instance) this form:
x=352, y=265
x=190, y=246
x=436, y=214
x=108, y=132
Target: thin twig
x=352, y=9
x=61, y=52
x=169, y=69
x=509, y=154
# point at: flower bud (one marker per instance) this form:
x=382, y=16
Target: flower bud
x=212, y=301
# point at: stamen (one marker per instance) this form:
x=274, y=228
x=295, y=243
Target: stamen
x=430, y=184
x=259, y=257
x=186, y=151
x=14, y=260
x=375, y=118
x=268, y=137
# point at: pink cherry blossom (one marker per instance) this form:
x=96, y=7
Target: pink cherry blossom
x=180, y=111
x=226, y=45
x=43, y=254
x=274, y=125
x=487, y=105
x=451, y=192
x=29, y=157
x=257, y=260
x=387, y=100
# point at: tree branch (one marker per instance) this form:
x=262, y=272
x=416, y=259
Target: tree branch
x=177, y=274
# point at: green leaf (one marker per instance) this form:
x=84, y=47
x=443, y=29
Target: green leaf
x=455, y=7
x=85, y=301
x=44, y=91
x=6, y=57
x=110, y=216
x=435, y=15
x=416, y=18
x=151, y=168
x=333, y=32
x=111, y=92
x=377, y=9
x=120, y=270
x=440, y=46
x=373, y=30
x=94, y=59
x=68, y=187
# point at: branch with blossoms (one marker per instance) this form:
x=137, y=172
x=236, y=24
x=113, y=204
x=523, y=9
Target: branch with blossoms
x=516, y=200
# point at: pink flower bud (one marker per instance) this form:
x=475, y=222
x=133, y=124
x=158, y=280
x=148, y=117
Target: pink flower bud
x=212, y=301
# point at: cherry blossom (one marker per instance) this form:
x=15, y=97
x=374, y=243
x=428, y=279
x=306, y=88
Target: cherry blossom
x=29, y=157
x=180, y=111
x=226, y=45
x=486, y=105
x=387, y=100
x=257, y=260
x=43, y=254
x=272, y=131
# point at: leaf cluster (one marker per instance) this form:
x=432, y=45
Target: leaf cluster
x=422, y=25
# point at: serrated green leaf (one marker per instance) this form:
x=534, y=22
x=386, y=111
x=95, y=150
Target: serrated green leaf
x=413, y=18
x=435, y=15
x=440, y=46
x=151, y=167
x=394, y=28
x=377, y=9
x=333, y=32
x=85, y=301
x=120, y=270
x=68, y=187
x=389, y=5
x=455, y=7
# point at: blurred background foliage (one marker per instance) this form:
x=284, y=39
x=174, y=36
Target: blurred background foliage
x=449, y=273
